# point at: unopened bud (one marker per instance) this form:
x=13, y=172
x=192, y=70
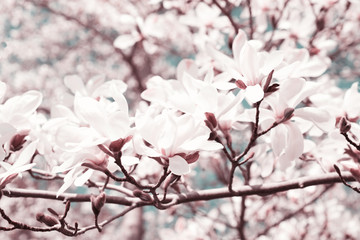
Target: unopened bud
x=344, y=126
x=213, y=136
x=143, y=196
x=117, y=145
x=17, y=141
x=97, y=202
x=273, y=88
x=268, y=81
x=210, y=117
x=240, y=84
x=47, y=219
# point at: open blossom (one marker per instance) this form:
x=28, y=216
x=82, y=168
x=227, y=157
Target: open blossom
x=190, y=95
x=175, y=138
x=249, y=64
x=287, y=141
x=92, y=122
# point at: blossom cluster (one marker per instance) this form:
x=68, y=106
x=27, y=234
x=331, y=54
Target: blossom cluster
x=249, y=103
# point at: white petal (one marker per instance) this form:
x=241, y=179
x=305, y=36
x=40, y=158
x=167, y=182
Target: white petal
x=129, y=160
x=178, y=165
x=238, y=44
x=26, y=154
x=75, y=84
x=254, y=94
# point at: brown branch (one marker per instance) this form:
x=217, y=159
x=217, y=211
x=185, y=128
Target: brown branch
x=228, y=15
x=201, y=195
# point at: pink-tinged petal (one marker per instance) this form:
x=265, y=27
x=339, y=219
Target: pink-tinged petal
x=61, y=111
x=254, y=94
x=321, y=118
x=6, y=132
x=126, y=41
x=221, y=81
x=278, y=139
x=352, y=96
x=290, y=88
x=129, y=160
x=26, y=154
x=73, y=138
x=249, y=64
x=75, y=84
x=207, y=99
x=2, y=91
x=23, y=105
x=9, y=175
x=238, y=43
x=68, y=181
x=224, y=61
x=119, y=122
x=294, y=146
x=141, y=149
x=271, y=61
x=314, y=68
x=178, y=165
x=186, y=66
x=201, y=143
x=95, y=83
x=237, y=100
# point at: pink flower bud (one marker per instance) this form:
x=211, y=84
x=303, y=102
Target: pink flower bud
x=97, y=202
x=142, y=195
x=240, y=84
x=47, y=219
x=344, y=126
x=211, y=120
x=17, y=141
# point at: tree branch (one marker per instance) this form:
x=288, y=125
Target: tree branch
x=201, y=195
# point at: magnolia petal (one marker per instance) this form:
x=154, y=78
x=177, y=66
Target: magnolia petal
x=321, y=118
x=23, y=105
x=186, y=66
x=26, y=154
x=238, y=43
x=68, y=181
x=249, y=63
x=254, y=94
x=81, y=180
x=178, y=165
x=129, y=160
x=75, y=84
x=278, y=139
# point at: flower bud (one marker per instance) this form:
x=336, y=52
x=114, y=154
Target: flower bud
x=268, y=81
x=211, y=120
x=117, y=145
x=142, y=195
x=17, y=141
x=344, y=126
x=240, y=84
x=97, y=202
x=47, y=219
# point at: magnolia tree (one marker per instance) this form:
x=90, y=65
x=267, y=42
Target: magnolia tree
x=232, y=119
